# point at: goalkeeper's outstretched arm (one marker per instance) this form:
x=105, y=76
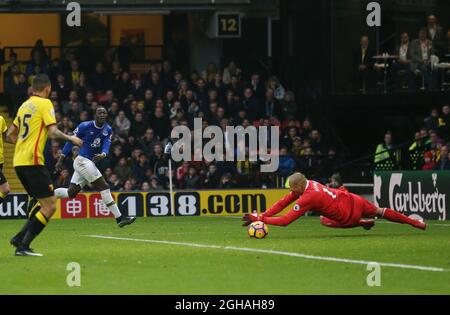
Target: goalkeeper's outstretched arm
x=278, y=206
x=284, y=220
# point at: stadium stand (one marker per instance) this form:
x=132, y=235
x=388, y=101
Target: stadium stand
x=142, y=104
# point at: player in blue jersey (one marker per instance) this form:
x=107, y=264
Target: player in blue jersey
x=96, y=137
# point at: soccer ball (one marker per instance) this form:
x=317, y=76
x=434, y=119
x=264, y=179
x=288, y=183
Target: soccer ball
x=258, y=230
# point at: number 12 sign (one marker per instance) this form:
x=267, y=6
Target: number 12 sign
x=228, y=25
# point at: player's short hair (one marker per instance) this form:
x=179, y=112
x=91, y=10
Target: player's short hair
x=40, y=82
x=297, y=178
x=100, y=107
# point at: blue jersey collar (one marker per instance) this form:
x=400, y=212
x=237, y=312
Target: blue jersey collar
x=95, y=125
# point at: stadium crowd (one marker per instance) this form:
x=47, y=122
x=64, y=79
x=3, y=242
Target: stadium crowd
x=143, y=108
x=429, y=149
x=414, y=63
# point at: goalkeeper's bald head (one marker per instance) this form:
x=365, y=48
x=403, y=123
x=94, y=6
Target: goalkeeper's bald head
x=297, y=183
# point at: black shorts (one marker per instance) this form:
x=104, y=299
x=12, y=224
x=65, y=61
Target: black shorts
x=2, y=176
x=36, y=180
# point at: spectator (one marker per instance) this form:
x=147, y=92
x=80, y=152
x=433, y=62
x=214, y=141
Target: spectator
x=444, y=122
x=123, y=170
x=335, y=181
x=74, y=113
x=429, y=163
x=18, y=93
x=404, y=61
x=385, y=156
x=442, y=161
x=65, y=125
x=257, y=87
x=140, y=168
x=167, y=73
x=148, y=141
x=219, y=86
x=139, y=126
x=271, y=107
x=432, y=121
x=73, y=77
x=55, y=69
x=308, y=163
x=99, y=80
x=128, y=186
x=123, y=54
x=278, y=89
x=121, y=124
x=235, y=85
x=288, y=107
x=286, y=163
x=435, y=141
x=159, y=123
x=421, y=51
x=329, y=164
x=114, y=182
x=226, y=182
x=123, y=87
x=154, y=184
x=191, y=179
x=364, y=64
x=82, y=87
x=145, y=186
x=436, y=34
x=306, y=128
x=417, y=149
x=212, y=178
x=448, y=43
x=156, y=85
x=63, y=180
x=297, y=147
x=182, y=171
x=317, y=144
x=250, y=105
x=61, y=87
x=230, y=71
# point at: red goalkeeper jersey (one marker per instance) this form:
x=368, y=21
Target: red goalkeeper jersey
x=335, y=204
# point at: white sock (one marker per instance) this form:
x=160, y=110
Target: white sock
x=61, y=193
x=108, y=200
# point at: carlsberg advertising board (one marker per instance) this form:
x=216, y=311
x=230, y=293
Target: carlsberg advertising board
x=421, y=193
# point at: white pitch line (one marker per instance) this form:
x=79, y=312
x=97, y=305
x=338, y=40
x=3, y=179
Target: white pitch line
x=273, y=252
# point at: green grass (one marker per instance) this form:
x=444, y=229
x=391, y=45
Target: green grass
x=129, y=267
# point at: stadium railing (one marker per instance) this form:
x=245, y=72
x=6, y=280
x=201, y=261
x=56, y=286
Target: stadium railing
x=401, y=158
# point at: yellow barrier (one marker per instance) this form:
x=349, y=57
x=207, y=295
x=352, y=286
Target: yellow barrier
x=152, y=204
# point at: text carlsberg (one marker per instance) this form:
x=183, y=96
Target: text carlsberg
x=414, y=199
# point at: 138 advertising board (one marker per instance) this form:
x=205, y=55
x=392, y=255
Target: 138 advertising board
x=154, y=204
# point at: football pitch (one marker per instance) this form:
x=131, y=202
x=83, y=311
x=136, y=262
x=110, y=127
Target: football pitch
x=214, y=255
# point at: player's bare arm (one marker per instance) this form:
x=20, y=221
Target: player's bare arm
x=98, y=157
x=55, y=134
x=11, y=134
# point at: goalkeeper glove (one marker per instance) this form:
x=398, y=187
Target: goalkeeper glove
x=249, y=218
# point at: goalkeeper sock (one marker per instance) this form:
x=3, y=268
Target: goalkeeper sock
x=109, y=202
x=395, y=216
x=61, y=193
x=36, y=225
